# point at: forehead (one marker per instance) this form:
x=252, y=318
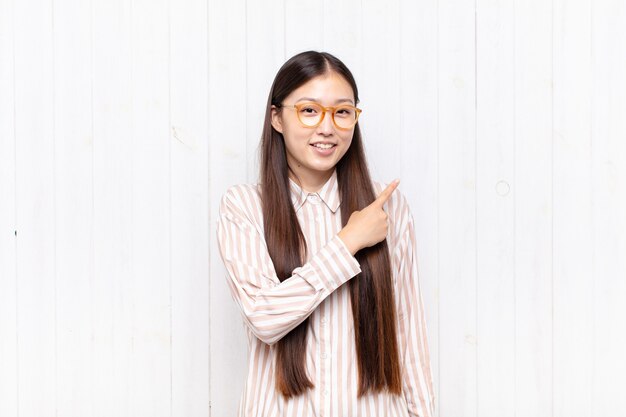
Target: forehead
x=327, y=87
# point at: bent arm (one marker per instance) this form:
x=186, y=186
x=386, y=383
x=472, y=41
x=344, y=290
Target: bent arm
x=269, y=307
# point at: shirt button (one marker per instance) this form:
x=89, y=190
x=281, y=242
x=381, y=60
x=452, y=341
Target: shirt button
x=324, y=355
x=325, y=392
x=313, y=198
x=324, y=320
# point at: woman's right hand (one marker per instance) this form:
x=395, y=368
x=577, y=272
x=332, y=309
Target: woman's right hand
x=367, y=227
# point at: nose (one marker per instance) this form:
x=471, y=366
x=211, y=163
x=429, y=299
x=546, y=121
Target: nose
x=326, y=127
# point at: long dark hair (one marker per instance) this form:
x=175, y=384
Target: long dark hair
x=371, y=291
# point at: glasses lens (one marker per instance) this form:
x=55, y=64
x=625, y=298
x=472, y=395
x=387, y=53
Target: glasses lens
x=345, y=116
x=310, y=114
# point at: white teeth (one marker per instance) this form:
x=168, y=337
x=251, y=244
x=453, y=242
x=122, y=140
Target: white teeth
x=323, y=146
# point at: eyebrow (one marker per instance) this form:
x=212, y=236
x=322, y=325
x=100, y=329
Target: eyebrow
x=341, y=100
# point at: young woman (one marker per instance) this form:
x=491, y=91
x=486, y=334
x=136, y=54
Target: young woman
x=321, y=261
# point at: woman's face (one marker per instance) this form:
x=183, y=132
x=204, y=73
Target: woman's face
x=314, y=166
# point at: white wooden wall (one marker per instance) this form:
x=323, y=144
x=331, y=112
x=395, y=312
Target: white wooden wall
x=122, y=122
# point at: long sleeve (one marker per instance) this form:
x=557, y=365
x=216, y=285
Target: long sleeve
x=416, y=377
x=269, y=307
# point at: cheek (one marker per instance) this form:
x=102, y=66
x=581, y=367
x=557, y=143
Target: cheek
x=346, y=142
x=295, y=140
x=346, y=138
x=292, y=141
x=296, y=136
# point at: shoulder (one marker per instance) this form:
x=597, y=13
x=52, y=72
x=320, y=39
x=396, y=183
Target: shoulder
x=243, y=201
x=238, y=191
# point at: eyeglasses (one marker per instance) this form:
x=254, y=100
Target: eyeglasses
x=312, y=114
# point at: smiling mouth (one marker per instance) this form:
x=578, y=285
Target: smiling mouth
x=324, y=146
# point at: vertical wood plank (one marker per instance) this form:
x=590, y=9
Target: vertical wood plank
x=304, y=23
x=265, y=46
x=150, y=385
x=380, y=88
x=73, y=206
x=227, y=155
x=342, y=33
x=572, y=263
x=36, y=289
x=418, y=152
x=112, y=145
x=608, y=159
x=457, y=208
x=533, y=208
x=495, y=217
x=189, y=205
x=8, y=238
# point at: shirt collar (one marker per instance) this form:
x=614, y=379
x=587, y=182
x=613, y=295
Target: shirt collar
x=329, y=193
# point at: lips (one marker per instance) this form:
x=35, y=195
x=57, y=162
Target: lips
x=332, y=145
x=324, y=152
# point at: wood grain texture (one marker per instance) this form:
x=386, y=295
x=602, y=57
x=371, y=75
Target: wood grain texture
x=123, y=123
x=8, y=237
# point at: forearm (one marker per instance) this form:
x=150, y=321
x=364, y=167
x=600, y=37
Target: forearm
x=272, y=308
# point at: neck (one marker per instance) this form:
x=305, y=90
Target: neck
x=311, y=181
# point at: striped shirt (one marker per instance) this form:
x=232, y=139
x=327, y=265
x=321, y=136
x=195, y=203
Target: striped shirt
x=270, y=308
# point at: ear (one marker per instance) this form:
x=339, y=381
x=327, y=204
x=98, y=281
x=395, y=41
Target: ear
x=277, y=121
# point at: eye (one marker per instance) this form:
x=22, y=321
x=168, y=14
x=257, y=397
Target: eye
x=309, y=110
x=345, y=112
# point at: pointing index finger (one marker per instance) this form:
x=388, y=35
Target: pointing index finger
x=386, y=193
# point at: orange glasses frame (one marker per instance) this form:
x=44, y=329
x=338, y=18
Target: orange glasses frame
x=330, y=109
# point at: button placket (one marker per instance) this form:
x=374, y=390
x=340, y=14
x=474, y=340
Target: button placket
x=325, y=366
